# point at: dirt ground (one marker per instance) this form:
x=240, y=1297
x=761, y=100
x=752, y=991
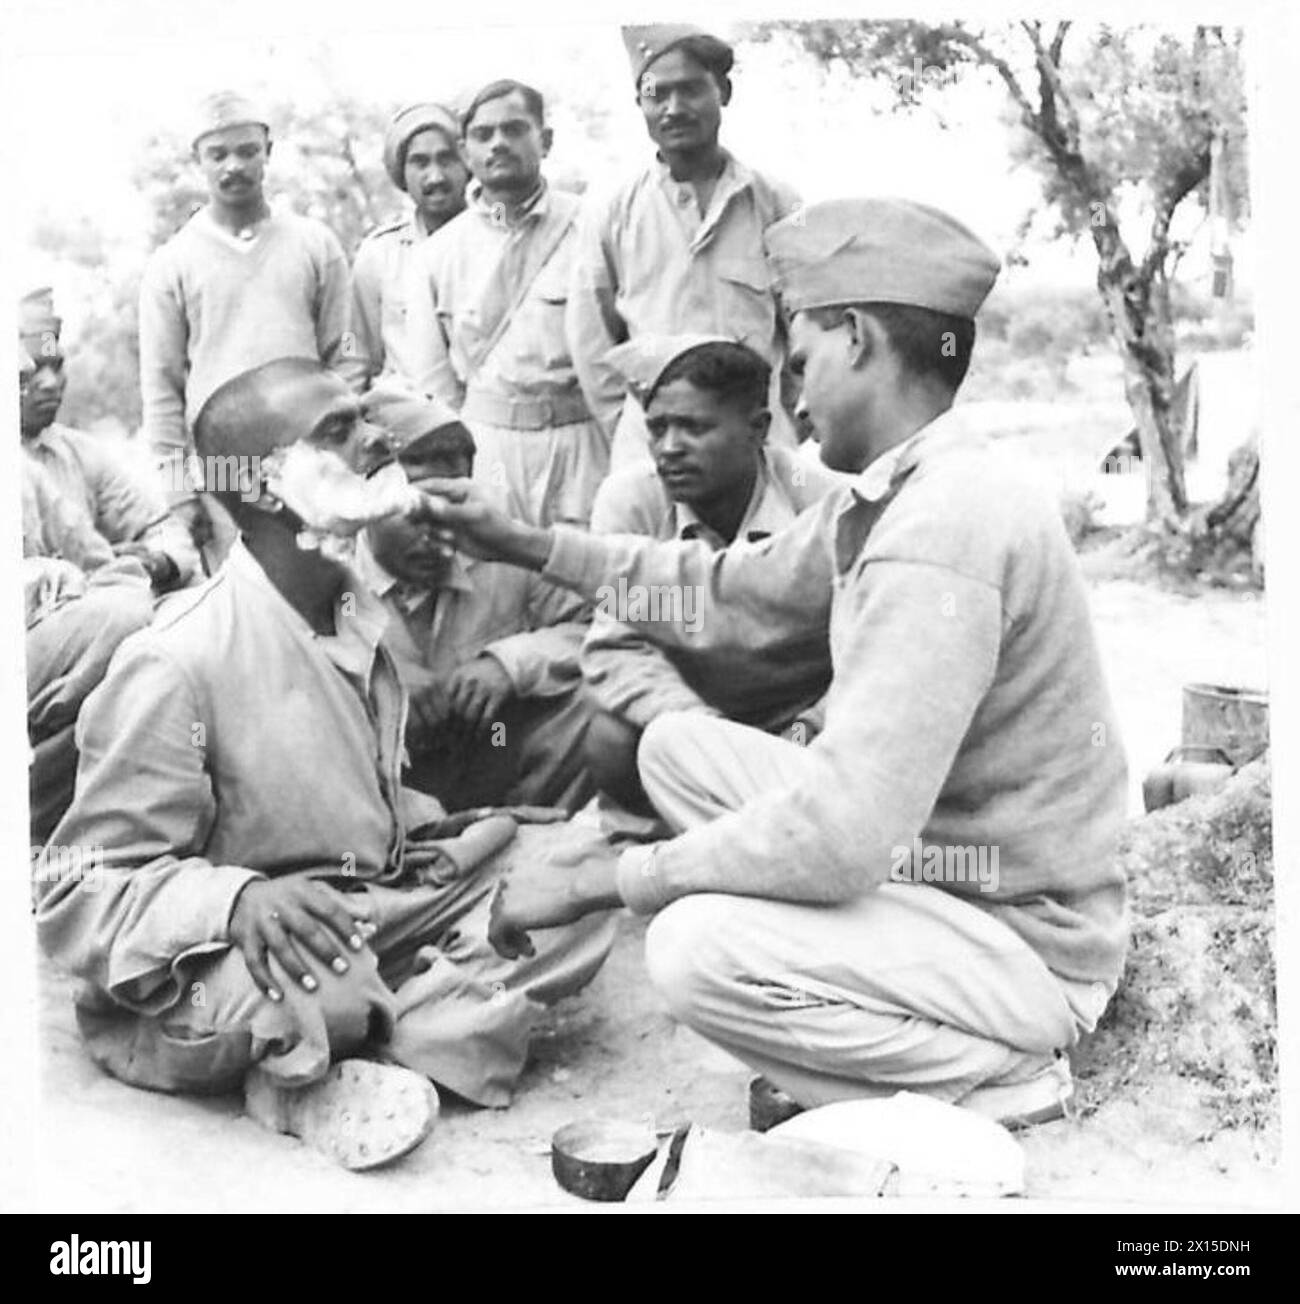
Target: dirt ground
x=613, y=1049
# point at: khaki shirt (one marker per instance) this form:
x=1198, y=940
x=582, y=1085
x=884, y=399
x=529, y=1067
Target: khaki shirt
x=629, y=676
x=648, y=262
x=452, y=297
x=227, y=741
x=381, y=277
x=534, y=629
x=86, y=474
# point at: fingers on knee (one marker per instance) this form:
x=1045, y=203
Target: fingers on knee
x=683, y=949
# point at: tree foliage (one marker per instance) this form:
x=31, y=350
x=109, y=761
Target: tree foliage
x=1121, y=127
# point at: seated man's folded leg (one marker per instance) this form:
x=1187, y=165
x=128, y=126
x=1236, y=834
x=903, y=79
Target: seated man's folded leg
x=908, y=988
x=68, y=651
x=550, y=734
x=610, y=752
x=696, y=767
x=223, y=1024
x=464, y=1013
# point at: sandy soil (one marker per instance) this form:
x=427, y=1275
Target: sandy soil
x=614, y=1050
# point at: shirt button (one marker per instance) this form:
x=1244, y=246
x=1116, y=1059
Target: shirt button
x=683, y=197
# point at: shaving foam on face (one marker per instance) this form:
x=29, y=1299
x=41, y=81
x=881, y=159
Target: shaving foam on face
x=329, y=497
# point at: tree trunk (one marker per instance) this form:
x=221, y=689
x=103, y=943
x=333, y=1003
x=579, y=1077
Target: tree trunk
x=1144, y=337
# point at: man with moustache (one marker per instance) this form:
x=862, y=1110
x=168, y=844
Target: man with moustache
x=967, y=710
x=487, y=316
x=487, y=653
x=238, y=285
x=422, y=157
x=680, y=247
x=715, y=477
x=263, y=908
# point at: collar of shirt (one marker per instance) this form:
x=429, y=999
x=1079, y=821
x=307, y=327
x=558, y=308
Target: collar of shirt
x=44, y=439
x=878, y=479
x=763, y=514
x=534, y=209
x=734, y=179
x=358, y=624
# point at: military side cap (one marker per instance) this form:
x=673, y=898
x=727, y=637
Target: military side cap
x=879, y=251
x=413, y=422
x=647, y=43
x=226, y=109
x=409, y=122
x=642, y=361
x=39, y=326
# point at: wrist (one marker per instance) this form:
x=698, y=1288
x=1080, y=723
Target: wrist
x=526, y=545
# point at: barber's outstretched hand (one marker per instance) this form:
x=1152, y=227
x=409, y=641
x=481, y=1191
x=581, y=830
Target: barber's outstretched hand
x=480, y=527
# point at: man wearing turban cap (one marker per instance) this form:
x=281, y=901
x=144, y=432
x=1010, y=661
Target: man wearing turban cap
x=422, y=156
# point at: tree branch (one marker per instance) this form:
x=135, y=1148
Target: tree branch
x=983, y=54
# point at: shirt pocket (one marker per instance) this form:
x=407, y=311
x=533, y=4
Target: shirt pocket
x=747, y=307
x=550, y=302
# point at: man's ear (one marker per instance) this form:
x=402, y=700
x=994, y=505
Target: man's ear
x=866, y=335
x=724, y=90
x=547, y=136
x=267, y=151
x=760, y=422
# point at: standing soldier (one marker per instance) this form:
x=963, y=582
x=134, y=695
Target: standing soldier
x=487, y=316
x=679, y=249
x=236, y=286
x=422, y=156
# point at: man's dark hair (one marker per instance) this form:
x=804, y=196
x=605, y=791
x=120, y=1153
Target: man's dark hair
x=734, y=373
x=931, y=344
x=532, y=98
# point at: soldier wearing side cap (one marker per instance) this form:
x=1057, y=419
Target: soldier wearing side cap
x=927, y=896
x=80, y=599
x=680, y=246
x=238, y=285
x=422, y=157
x=488, y=654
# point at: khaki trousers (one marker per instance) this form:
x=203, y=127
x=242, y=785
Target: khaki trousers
x=428, y=993
x=908, y=987
x=542, y=476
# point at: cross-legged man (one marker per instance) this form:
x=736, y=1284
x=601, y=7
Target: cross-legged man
x=925, y=897
x=714, y=476
x=487, y=653
x=260, y=908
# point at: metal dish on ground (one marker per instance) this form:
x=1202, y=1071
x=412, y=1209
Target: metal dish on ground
x=601, y=1158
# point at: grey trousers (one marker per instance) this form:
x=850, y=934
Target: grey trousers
x=428, y=993
x=68, y=651
x=907, y=988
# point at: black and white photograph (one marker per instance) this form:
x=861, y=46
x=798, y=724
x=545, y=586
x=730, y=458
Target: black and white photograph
x=649, y=608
